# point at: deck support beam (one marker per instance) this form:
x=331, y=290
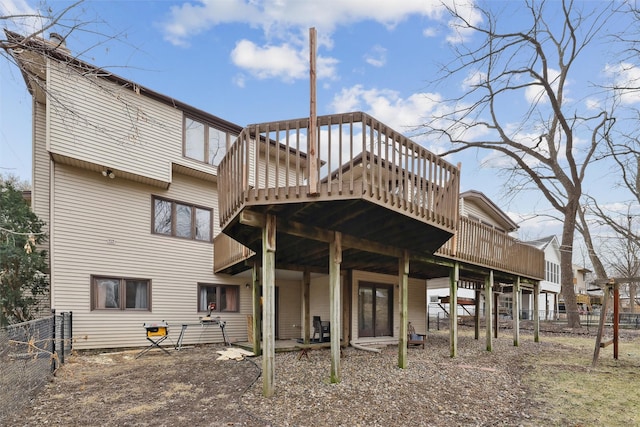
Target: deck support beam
x=403, y=279
x=536, y=312
x=306, y=304
x=488, y=302
x=454, y=277
x=496, y=314
x=476, y=316
x=255, y=306
x=516, y=312
x=268, y=308
x=335, y=259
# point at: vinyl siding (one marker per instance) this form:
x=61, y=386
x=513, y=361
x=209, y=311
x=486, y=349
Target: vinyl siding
x=289, y=309
x=103, y=227
x=471, y=209
x=40, y=185
x=41, y=165
x=99, y=122
x=319, y=304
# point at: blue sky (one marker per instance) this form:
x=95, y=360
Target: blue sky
x=247, y=62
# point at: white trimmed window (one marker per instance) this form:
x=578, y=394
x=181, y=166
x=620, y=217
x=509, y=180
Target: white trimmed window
x=203, y=142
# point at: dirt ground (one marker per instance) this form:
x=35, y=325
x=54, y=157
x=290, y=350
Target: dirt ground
x=190, y=387
x=187, y=387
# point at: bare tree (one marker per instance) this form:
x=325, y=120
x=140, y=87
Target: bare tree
x=623, y=150
x=540, y=143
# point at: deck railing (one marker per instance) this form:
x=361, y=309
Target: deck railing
x=482, y=245
x=228, y=252
x=357, y=157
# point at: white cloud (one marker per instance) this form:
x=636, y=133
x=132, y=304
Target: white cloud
x=274, y=16
x=387, y=105
x=430, y=32
x=593, y=104
x=535, y=225
x=284, y=62
x=326, y=67
x=377, y=57
x=473, y=79
x=19, y=16
x=466, y=10
x=10, y=8
x=536, y=94
x=626, y=78
x=239, y=80
x=190, y=19
x=285, y=26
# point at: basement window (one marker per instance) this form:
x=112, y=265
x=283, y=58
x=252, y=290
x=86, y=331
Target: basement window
x=117, y=293
x=225, y=298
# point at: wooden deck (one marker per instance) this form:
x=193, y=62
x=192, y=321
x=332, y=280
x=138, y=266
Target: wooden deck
x=383, y=192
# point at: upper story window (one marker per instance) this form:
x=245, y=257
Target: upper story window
x=203, y=142
x=179, y=219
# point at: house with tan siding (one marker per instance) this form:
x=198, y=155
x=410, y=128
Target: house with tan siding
x=158, y=211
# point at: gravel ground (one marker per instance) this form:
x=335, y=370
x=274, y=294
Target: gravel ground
x=476, y=388
x=190, y=387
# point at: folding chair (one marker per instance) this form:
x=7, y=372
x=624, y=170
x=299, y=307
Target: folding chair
x=322, y=329
x=156, y=333
x=413, y=338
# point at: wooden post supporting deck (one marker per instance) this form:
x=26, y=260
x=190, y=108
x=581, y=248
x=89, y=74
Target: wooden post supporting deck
x=403, y=279
x=454, y=276
x=516, y=312
x=257, y=315
x=476, y=315
x=496, y=314
x=335, y=255
x=536, y=312
x=306, y=304
x=268, y=306
x=488, y=292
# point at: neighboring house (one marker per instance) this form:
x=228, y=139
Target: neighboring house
x=548, y=302
x=584, y=299
x=156, y=209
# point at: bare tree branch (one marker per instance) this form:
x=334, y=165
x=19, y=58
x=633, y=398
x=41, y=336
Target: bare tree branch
x=534, y=61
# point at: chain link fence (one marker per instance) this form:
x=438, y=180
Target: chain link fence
x=30, y=353
x=588, y=320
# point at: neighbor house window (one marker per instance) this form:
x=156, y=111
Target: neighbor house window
x=223, y=298
x=179, y=219
x=552, y=272
x=117, y=293
x=203, y=142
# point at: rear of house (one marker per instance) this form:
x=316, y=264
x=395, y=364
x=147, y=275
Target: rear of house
x=130, y=185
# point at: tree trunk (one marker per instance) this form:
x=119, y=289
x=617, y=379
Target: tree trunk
x=600, y=271
x=566, y=268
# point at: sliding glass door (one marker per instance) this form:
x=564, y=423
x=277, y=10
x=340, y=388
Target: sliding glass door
x=375, y=309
